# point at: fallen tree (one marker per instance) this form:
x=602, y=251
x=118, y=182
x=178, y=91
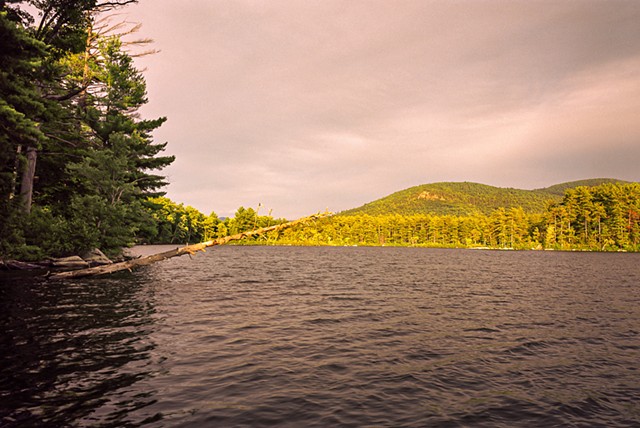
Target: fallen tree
x=189, y=249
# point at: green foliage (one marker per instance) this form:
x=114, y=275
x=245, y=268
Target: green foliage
x=246, y=219
x=465, y=198
x=11, y=230
x=22, y=108
x=560, y=189
x=604, y=217
x=21, y=105
x=601, y=218
x=455, y=199
x=57, y=235
x=73, y=95
x=176, y=223
x=502, y=229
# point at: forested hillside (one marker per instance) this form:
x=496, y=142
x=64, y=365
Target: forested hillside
x=560, y=189
x=601, y=218
x=464, y=198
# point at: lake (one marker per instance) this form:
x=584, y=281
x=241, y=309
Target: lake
x=329, y=337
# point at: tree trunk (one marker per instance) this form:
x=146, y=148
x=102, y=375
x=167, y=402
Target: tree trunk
x=14, y=173
x=26, y=184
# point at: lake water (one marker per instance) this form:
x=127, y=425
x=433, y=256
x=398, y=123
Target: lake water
x=329, y=337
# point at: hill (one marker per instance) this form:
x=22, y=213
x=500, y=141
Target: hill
x=559, y=189
x=465, y=198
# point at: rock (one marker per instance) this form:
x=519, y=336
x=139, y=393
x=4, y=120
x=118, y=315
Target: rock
x=125, y=255
x=73, y=262
x=129, y=254
x=96, y=257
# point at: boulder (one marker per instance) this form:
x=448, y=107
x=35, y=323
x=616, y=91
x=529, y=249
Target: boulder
x=96, y=257
x=125, y=255
x=73, y=262
x=129, y=254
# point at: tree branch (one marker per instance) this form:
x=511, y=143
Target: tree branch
x=189, y=249
x=68, y=95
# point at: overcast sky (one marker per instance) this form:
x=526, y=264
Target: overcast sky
x=306, y=105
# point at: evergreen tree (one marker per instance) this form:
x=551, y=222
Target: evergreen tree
x=70, y=139
x=115, y=171
x=22, y=109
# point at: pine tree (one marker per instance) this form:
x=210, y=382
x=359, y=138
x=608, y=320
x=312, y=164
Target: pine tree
x=115, y=171
x=22, y=110
x=70, y=138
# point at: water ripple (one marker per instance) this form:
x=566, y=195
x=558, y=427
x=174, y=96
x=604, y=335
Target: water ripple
x=340, y=337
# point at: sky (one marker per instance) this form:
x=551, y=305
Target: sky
x=302, y=106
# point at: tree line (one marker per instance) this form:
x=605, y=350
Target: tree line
x=601, y=218
x=77, y=163
x=174, y=223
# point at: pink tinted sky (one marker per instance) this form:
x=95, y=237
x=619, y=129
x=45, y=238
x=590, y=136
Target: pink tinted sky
x=307, y=105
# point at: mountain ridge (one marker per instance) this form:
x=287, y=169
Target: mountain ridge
x=559, y=189
x=467, y=198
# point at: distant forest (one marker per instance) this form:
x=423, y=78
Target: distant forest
x=599, y=218
x=602, y=218
x=79, y=168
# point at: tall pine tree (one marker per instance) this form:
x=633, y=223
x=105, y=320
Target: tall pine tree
x=70, y=138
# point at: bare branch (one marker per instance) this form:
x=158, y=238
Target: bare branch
x=110, y=5
x=68, y=95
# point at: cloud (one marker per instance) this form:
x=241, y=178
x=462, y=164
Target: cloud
x=306, y=105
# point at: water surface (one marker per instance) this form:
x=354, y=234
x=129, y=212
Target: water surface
x=290, y=336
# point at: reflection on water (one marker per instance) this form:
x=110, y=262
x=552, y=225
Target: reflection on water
x=286, y=336
x=74, y=351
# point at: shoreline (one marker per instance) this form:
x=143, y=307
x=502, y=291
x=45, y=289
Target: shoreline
x=143, y=250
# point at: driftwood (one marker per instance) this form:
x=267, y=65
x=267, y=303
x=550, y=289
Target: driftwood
x=189, y=249
x=18, y=265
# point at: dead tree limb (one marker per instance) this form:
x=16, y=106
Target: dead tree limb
x=189, y=249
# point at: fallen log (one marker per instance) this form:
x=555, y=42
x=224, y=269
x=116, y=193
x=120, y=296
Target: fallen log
x=189, y=249
x=18, y=265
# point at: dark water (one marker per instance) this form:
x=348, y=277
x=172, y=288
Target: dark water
x=298, y=337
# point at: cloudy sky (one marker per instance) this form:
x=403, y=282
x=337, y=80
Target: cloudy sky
x=307, y=105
